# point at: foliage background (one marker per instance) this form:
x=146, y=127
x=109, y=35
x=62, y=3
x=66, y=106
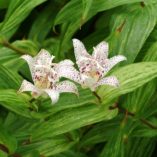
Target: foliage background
x=124, y=124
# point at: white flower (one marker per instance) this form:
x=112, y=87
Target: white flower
x=93, y=68
x=45, y=75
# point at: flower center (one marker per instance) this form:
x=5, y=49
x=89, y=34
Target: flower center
x=92, y=69
x=45, y=78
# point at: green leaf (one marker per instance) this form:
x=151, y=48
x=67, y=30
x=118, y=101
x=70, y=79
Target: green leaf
x=7, y=55
x=87, y=4
x=71, y=153
x=143, y=131
x=141, y=147
x=3, y=154
x=135, y=147
x=130, y=77
x=7, y=140
x=139, y=102
x=47, y=147
x=43, y=23
x=85, y=96
x=68, y=31
x=73, y=10
x=71, y=119
x=125, y=27
x=14, y=102
x=115, y=147
x=11, y=58
x=4, y=4
x=28, y=46
x=129, y=81
x=33, y=154
x=101, y=132
x=20, y=9
x=8, y=79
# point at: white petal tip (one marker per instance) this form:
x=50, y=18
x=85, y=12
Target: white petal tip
x=123, y=57
x=25, y=57
x=104, y=44
x=44, y=51
x=54, y=95
x=75, y=41
x=54, y=101
x=115, y=82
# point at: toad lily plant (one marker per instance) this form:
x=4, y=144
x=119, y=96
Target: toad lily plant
x=45, y=76
x=93, y=68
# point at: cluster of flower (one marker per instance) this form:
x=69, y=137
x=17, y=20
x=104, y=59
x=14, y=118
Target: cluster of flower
x=91, y=73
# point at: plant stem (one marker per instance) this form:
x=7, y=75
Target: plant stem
x=16, y=155
x=5, y=43
x=68, y=136
x=144, y=121
x=4, y=148
x=98, y=97
x=125, y=117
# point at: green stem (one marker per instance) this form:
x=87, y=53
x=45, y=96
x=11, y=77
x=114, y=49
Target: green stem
x=4, y=148
x=5, y=43
x=98, y=97
x=144, y=121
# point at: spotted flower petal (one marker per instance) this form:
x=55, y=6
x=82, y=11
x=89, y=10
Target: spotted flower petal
x=100, y=52
x=27, y=86
x=88, y=82
x=69, y=72
x=112, y=62
x=40, y=64
x=80, y=50
x=110, y=80
x=66, y=62
x=67, y=86
x=53, y=94
x=43, y=58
